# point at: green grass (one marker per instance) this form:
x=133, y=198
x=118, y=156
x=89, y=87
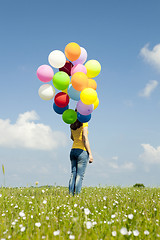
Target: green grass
x=110, y=209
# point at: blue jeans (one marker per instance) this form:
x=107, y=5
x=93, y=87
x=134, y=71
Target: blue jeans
x=79, y=159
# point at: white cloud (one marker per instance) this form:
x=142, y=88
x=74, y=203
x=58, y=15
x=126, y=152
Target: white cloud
x=151, y=56
x=150, y=155
x=149, y=88
x=115, y=158
x=124, y=166
x=26, y=133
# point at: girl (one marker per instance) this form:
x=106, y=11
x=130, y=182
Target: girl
x=79, y=155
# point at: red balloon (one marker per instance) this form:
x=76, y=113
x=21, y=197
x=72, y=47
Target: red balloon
x=67, y=68
x=61, y=99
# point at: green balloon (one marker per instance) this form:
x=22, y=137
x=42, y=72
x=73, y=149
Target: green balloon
x=69, y=116
x=61, y=80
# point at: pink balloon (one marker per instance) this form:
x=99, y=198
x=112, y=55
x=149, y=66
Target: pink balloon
x=45, y=73
x=84, y=109
x=78, y=68
x=82, y=58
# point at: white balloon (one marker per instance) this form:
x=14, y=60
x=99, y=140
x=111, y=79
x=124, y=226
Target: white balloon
x=46, y=92
x=57, y=59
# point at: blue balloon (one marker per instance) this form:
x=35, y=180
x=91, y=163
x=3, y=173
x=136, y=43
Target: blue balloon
x=73, y=93
x=58, y=109
x=83, y=118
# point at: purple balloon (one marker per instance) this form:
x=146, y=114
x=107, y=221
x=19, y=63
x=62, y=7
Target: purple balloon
x=82, y=58
x=84, y=109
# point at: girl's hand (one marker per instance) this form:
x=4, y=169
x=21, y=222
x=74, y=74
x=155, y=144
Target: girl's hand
x=90, y=158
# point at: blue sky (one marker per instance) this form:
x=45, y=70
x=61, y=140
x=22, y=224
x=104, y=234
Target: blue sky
x=124, y=130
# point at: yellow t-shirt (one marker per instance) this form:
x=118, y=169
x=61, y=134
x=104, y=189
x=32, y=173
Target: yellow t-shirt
x=77, y=136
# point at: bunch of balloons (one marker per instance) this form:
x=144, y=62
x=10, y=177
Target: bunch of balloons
x=74, y=80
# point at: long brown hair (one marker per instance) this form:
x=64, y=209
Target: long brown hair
x=77, y=124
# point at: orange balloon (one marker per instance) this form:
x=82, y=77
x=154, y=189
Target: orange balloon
x=72, y=51
x=92, y=84
x=79, y=81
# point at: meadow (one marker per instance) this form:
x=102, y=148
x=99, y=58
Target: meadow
x=49, y=212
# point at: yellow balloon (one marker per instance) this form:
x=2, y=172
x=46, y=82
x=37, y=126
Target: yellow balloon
x=88, y=96
x=96, y=103
x=65, y=90
x=93, y=68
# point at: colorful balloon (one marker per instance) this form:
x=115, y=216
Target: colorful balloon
x=93, y=68
x=72, y=51
x=61, y=99
x=59, y=110
x=57, y=59
x=82, y=58
x=67, y=68
x=65, y=90
x=73, y=93
x=96, y=103
x=78, y=68
x=46, y=92
x=79, y=81
x=92, y=83
x=83, y=118
x=88, y=96
x=45, y=73
x=83, y=108
x=61, y=80
x=69, y=116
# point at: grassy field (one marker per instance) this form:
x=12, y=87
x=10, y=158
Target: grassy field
x=97, y=213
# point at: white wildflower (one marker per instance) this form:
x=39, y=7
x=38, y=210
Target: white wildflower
x=23, y=229
x=94, y=223
x=129, y=232
x=104, y=198
x=135, y=232
x=38, y=224
x=55, y=233
x=130, y=216
x=75, y=205
x=86, y=211
x=44, y=202
x=146, y=232
x=114, y=234
x=123, y=231
x=88, y=224
x=113, y=216
x=71, y=237
x=0, y=195
x=21, y=214
x=47, y=218
x=43, y=191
